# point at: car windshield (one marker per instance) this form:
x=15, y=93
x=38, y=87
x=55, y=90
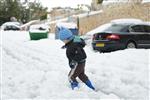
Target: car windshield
x=117, y=28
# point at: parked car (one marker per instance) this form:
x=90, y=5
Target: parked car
x=122, y=35
x=11, y=26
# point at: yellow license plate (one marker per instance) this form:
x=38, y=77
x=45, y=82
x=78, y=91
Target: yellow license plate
x=100, y=45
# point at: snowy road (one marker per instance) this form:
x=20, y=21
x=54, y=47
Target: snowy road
x=39, y=69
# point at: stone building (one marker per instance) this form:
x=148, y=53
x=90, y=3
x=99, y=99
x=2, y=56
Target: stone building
x=95, y=5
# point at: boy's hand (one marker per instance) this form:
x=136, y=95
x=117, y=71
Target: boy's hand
x=73, y=64
x=63, y=47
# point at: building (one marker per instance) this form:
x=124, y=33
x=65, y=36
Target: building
x=96, y=4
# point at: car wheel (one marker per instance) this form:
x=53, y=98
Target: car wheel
x=131, y=45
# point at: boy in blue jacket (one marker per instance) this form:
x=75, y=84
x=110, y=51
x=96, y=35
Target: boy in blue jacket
x=76, y=56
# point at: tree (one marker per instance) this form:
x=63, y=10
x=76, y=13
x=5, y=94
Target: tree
x=8, y=9
x=37, y=11
x=15, y=8
x=2, y=12
x=99, y=1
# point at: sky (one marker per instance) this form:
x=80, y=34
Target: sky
x=64, y=3
x=61, y=3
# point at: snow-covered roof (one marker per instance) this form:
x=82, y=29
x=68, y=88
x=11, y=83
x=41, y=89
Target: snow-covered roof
x=85, y=8
x=107, y=2
x=66, y=25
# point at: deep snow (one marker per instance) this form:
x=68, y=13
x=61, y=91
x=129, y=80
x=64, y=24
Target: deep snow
x=39, y=69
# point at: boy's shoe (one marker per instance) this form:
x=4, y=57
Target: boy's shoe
x=89, y=84
x=74, y=85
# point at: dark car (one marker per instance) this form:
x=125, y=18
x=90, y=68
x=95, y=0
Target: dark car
x=121, y=36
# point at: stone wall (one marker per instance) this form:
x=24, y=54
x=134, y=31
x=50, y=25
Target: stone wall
x=115, y=12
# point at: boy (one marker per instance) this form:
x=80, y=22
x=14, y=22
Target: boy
x=76, y=56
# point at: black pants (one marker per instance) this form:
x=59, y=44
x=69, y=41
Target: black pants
x=78, y=71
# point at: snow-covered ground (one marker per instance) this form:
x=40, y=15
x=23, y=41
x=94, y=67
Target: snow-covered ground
x=39, y=69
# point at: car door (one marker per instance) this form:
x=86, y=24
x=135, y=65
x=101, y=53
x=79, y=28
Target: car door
x=147, y=32
x=142, y=35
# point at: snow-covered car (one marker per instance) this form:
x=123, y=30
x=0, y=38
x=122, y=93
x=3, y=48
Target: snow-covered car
x=121, y=34
x=11, y=26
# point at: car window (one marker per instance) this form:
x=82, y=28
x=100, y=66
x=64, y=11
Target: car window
x=146, y=28
x=14, y=27
x=137, y=28
x=117, y=28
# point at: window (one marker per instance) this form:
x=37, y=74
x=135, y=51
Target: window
x=147, y=28
x=117, y=28
x=137, y=28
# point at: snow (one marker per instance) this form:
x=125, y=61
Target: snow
x=39, y=69
x=76, y=16
x=99, y=29
x=126, y=21
x=148, y=23
x=89, y=34
x=107, y=2
x=67, y=25
x=89, y=13
x=145, y=1
x=12, y=23
x=29, y=23
x=39, y=28
x=16, y=24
